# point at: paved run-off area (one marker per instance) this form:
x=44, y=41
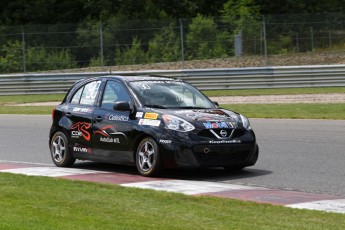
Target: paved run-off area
x=293, y=199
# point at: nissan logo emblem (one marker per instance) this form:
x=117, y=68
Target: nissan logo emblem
x=223, y=133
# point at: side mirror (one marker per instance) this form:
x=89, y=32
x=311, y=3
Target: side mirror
x=122, y=106
x=216, y=103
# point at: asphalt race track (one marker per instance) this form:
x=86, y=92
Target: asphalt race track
x=295, y=155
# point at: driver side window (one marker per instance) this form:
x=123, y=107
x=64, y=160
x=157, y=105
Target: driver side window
x=114, y=91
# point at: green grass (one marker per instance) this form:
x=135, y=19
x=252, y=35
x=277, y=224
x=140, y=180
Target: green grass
x=26, y=109
x=48, y=203
x=293, y=111
x=300, y=111
x=19, y=99
x=288, y=91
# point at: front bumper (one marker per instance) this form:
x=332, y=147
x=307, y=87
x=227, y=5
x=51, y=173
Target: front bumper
x=241, y=152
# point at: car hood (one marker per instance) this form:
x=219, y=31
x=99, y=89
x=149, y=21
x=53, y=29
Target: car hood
x=206, y=118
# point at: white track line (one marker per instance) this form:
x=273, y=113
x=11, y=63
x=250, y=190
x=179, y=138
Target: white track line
x=49, y=171
x=189, y=187
x=337, y=206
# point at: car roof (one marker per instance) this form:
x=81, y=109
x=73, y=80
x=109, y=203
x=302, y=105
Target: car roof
x=131, y=78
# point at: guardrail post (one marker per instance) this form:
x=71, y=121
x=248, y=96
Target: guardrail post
x=182, y=47
x=312, y=38
x=23, y=50
x=264, y=35
x=101, y=44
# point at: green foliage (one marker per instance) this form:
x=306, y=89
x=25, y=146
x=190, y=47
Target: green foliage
x=239, y=13
x=36, y=59
x=97, y=61
x=283, y=45
x=209, y=29
x=202, y=39
x=165, y=46
x=133, y=54
x=11, y=59
x=40, y=59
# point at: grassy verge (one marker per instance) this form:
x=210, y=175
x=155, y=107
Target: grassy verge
x=300, y=111
x=289, y=91
x=65, y=204
x=293, y=111
x=26, y=109
x=19, y=99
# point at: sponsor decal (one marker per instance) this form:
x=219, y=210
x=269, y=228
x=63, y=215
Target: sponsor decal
x=107, y=132
x=149, y=122
x=82, y=110
x=80, y=129
x=139, y=114
x=165, y=141
x=225, y=142
x=183, y=111
x=152, y=116
x=215, y=115
x=232, y=124
x=216, y=125
x=110, y=140
x=112, y=117
x=82, y=150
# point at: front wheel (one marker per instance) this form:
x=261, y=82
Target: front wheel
x=148, y=159
x=60, y=151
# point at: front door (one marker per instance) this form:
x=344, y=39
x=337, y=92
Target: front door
x=111, y=128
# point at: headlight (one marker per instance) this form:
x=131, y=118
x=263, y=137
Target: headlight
x=245, y=122
x=177, y=124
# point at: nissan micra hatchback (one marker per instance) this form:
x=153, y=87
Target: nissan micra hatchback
x=150, y=122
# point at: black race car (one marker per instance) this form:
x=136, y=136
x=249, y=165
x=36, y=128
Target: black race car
x=150, y=122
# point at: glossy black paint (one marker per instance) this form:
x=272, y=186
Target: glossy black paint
x=111, y=133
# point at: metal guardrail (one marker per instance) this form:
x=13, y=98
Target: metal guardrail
x=204, y=79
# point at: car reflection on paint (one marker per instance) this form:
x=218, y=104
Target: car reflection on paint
x=151, y=122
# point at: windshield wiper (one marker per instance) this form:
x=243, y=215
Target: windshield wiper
x=155, y=106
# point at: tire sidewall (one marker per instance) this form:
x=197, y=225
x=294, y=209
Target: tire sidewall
x=68, y=159
x=157, y=163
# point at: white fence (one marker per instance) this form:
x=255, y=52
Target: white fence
x=203, y=79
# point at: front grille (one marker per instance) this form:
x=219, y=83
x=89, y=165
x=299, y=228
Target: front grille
x=231, y=133
x=222, y=154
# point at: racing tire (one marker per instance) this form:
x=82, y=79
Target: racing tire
x=148, y=159
x=60, y=152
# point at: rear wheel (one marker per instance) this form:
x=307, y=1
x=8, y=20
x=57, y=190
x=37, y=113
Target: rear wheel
x=60, y=151
x=148, y=159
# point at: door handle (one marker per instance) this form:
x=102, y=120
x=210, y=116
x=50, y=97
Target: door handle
x=68, y=114
x=99, y=118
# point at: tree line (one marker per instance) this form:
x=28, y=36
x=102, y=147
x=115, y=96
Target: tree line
x=23, y=12
x=52, y=34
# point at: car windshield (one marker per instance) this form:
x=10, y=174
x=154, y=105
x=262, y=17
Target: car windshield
x=167, y=94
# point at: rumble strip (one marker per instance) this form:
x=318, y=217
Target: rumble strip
x=292, y=199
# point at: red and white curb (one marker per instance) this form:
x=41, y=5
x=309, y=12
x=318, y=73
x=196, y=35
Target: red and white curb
x=292, y=199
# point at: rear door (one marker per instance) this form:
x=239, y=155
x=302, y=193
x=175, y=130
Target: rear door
x=79, y=116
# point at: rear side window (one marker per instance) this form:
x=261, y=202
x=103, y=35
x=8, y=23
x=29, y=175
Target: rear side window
x=86, y=95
